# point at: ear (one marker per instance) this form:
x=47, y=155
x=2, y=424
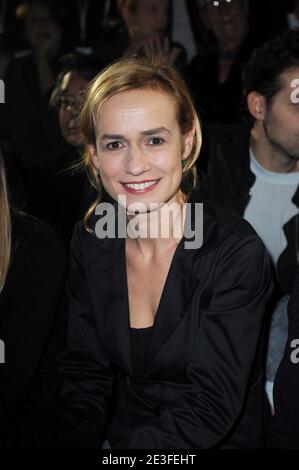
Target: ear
x=257, y=105
x=94, y=156
x=187, y=143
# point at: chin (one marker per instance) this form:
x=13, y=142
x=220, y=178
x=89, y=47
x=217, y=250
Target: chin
x=74, y=141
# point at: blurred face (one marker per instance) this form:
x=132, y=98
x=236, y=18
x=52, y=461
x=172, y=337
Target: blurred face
x=228, y=21
x=150, y=18
x=40, y=25
x=281, y=121
x=73, y=86
x=140, y=147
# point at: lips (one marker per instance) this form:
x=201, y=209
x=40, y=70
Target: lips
x=140, y=187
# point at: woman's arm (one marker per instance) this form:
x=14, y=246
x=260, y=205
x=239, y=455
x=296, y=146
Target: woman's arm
x=226, y=346
x=85, y=366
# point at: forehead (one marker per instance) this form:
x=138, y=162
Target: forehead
x=152, y=108
x=39, y=11
x=72, y=82
x=148, y=4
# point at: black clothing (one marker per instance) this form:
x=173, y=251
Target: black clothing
x=285, y=424
x=202, y=386
x=139, y=343
x=59, y=191
x=226, y=179
x=218, y=103
x=27, y=123
x=32, y=326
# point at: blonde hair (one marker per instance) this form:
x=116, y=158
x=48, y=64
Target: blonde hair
x=5, y=227
x=131, y=74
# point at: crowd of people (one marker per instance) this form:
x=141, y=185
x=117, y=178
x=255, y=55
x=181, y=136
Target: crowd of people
x=105, y=98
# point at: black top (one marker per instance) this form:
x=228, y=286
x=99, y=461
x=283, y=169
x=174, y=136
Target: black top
x=139, y=343
x=285, y=423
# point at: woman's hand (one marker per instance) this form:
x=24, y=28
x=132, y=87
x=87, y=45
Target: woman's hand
x=155, y=46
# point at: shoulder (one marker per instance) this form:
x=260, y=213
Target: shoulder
x=233, y=228
x=229, y=223
x=225, y=233
x=31, y=236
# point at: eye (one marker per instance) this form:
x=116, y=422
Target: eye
x=114, y=145
x=66, y=103
x=156, y=141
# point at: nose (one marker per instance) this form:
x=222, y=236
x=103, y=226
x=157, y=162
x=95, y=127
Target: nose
x=136, y=162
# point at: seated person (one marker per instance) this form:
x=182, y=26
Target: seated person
x=146, y=32
x=215, y=74
x=255, y=172
x=26, y=122
x=59, y=189
x=163, y=324
x=32, y=326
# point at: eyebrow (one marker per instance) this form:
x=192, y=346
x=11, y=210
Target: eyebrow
x=149, y=132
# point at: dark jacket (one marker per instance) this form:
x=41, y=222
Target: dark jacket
x=59, y=192
x=226, y=179
x=285, y=424
x=32, y=327
x=203, y=378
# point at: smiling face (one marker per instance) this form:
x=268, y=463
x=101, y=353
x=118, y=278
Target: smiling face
x=140, y=148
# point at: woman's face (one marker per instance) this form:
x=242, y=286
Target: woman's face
x=41, y=25
x=228, y=21
x=71, y=100
x=151, y=17
x=140, y=148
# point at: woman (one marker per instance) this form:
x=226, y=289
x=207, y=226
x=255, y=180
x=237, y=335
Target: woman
x=215, y=73
x=32, y=275
x=146, y=33
x=29, y=80
x=173, y=330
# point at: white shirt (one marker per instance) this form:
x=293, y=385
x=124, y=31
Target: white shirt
x=270, y=206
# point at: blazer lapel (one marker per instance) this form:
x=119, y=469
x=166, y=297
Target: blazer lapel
x=176, y=295
x=182, y=280
x=113, y=296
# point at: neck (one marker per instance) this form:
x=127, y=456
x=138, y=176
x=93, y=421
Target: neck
x=270, y=157
x=158, y=230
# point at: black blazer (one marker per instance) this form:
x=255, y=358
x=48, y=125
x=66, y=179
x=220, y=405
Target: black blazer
x=203, y=381
x=32, y=327
x=285, y=423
